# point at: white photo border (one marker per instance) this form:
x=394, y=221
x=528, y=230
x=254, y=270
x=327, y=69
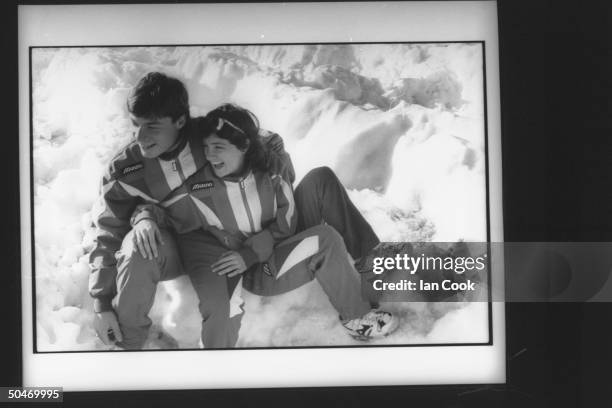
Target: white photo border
x=106, y=25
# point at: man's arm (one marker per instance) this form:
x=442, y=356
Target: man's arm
x=275, y=147
x=146, y=221
x=148, y=211
x=112, y=221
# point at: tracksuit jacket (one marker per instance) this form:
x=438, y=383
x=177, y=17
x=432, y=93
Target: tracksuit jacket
x=248, y=213
x=132, y=180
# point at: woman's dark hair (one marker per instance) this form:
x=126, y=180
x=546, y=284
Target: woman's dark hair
x=240, y=127
x=157, y=95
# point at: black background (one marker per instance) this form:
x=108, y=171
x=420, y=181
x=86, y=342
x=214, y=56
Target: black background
x=555, y=59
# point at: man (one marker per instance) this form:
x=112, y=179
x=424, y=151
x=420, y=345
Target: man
x=128, y=262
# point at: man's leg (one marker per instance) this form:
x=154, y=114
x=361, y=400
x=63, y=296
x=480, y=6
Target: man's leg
x=316, y=253
x=220, y=300
x=320, y=197
x=137, y=280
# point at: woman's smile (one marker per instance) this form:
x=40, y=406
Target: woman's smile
x=224, y=157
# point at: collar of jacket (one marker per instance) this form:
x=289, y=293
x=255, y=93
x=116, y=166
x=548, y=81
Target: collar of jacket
x=180, y=144
x=237, y=178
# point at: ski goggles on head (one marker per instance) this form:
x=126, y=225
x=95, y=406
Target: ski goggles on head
x=223, y=122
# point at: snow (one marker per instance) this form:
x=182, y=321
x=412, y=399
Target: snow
x=401, y=125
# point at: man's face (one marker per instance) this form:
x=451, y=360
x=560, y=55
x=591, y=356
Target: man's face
x=156, y=135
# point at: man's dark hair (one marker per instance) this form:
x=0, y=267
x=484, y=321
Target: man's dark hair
x=157, y=95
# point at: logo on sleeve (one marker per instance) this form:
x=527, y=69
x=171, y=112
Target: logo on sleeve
x=131, y=169
x=203, y=185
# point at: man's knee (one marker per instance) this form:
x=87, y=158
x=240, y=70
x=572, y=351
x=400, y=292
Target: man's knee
x=129, y=251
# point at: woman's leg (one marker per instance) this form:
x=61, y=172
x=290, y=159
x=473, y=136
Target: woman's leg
x=316, y=253
x=220, y=300
x=320, y=197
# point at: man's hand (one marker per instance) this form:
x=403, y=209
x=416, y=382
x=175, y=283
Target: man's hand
x=274, y=143
x=230, y=264
x=106, y=323
x=147, y=237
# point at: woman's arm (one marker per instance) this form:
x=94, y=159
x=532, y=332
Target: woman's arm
x=259, y=247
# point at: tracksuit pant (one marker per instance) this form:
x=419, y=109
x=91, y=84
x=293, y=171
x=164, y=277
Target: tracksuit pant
x=320, y=197
x=137, y=280
x=329, y=226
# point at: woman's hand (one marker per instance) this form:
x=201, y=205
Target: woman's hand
x=230, y=264
x=147, y=237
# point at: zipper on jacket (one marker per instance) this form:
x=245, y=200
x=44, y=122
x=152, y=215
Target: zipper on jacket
x=246, y=204
x=176, y=166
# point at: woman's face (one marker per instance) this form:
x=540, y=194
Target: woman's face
x=224, y=157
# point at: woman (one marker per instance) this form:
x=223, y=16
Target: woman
x=243, y=199
x=288, y=259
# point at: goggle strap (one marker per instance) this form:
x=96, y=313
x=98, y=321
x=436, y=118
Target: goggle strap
x=227, y=122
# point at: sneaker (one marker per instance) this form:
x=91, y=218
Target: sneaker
x=373, y=325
